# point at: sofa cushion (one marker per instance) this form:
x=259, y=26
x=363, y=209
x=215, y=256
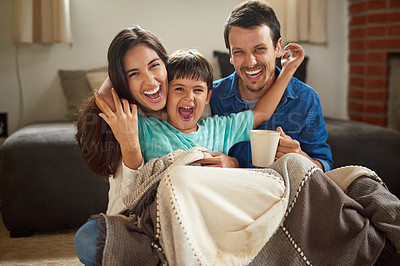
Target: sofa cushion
x=45, y=184
x=375, y=147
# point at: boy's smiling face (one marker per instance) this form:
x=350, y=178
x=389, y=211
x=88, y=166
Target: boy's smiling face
x=185, y=103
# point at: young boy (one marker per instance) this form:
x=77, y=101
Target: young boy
x=190, y=82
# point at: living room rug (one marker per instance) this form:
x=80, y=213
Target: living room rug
x=50, y=248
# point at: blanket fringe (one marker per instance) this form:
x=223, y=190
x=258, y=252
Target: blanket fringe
x=101, y=237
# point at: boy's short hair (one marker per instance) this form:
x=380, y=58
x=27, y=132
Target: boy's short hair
x=190, y=64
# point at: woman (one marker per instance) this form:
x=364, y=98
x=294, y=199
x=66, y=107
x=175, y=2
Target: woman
x=145, y=85
x=137, y=70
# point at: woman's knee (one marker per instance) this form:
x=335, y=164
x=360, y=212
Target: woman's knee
x=85, y=242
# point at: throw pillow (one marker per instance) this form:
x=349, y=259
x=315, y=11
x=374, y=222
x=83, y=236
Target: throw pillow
x=224, y=64
x=301, y=72
x=76, y=88
x=96, y=79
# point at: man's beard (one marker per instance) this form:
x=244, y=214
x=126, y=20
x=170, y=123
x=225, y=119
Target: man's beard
x=257, y=89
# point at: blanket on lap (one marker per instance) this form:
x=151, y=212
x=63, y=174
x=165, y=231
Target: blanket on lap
x=219, y=216
x=198, y=215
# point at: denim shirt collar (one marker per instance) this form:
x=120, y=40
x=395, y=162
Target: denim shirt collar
x=234, y=90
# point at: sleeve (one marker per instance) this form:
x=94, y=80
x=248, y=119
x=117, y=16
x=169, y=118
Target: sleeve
x=222, y=100
x=314, y=135
x=237, y=129
x=243, y=123
x=121, y=184
x=216, y=105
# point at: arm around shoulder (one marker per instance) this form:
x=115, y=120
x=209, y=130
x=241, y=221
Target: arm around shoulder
x=267, y=104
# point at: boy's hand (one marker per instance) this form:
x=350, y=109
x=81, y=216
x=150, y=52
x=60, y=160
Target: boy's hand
x=293, y=61
x=219, y=160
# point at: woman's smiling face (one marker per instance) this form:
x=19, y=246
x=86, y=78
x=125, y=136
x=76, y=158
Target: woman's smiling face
x=147, y=77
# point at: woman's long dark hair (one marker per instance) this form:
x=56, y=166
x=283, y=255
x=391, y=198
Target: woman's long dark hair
x=100, y=150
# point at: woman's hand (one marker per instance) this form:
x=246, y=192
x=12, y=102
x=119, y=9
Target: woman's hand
x=219, y=160
x=105, y=92
x=297, y=54
x=124, y=125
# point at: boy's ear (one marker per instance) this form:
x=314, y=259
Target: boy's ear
x=208, y=96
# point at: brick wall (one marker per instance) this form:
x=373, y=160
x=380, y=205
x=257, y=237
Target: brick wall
x=374, y=33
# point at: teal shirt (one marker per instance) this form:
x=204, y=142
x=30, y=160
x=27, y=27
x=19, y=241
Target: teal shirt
x=218, y=133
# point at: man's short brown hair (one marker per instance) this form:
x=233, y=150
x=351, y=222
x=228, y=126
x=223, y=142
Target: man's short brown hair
x=250, y=14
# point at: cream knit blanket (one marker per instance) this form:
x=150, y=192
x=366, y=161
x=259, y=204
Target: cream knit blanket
x=218, y=216
x=209, y=215
x=212, y=216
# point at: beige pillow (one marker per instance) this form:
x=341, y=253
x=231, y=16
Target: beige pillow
x=95, y=79
x=76, y=88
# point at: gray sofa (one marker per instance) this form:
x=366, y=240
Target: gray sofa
x=45, y=184
x=375, y=147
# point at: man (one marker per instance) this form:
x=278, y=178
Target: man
x=252, y=36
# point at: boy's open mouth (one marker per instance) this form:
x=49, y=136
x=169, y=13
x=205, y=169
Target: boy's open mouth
x=154, y=95
x=186, y=113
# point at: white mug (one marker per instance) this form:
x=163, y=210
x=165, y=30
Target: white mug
x=264, y=144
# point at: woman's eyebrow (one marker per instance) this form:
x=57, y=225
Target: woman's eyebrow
x=152, y=61
x=131, y=70
x=135, y=69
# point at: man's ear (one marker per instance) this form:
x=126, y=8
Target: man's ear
x=278, y=48
x=208, y=96
x=230, y=55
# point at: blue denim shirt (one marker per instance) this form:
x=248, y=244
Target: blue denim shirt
x=298, y=113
